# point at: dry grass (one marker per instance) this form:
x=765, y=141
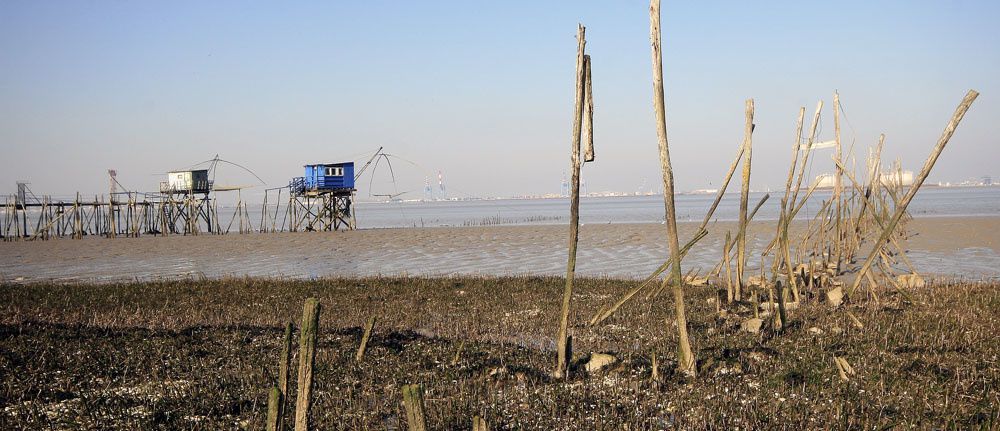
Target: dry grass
x=201, y=355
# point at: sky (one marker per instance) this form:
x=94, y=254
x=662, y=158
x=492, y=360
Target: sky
x=480, y=91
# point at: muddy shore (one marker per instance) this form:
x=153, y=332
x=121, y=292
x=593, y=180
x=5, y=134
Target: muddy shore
x=967, y=247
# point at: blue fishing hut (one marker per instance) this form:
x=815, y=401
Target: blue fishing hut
x=325, y=178
x=323, y=197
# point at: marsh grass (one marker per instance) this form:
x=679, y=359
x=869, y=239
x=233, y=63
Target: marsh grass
x=203, y=355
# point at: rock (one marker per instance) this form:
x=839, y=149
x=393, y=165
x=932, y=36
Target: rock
x=816, y=331
x=752, y=325
x=910, y=281
x=835, y=296
x=771, y=306
x=598, y=361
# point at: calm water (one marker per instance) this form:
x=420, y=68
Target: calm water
x=929, y=202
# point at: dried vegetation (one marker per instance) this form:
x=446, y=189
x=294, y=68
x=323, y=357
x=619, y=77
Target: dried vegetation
x=202, y=355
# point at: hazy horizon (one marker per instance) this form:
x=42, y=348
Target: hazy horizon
x=483, y=93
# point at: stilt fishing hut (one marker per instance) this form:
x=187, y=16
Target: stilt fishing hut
x=321, y=199
x=182, y=203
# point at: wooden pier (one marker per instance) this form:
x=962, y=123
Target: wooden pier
x=136, y=214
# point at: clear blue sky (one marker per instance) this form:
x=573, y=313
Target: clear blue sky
x=480, y=90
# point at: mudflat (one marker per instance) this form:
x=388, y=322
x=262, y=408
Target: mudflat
x=967, y=247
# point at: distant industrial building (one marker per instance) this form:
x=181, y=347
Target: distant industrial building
x=827, y=181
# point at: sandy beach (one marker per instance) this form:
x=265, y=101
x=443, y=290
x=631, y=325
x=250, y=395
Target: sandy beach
x=957, y=246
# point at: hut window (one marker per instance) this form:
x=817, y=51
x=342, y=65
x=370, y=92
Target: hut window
x=334, y=172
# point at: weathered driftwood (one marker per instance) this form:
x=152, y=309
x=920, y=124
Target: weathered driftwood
x=685, y=360
x=890, y=227
x=307, y=358
x=563, y=358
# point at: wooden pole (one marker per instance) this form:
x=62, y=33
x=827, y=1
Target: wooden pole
x=574, y=210
x=741, y=237
x=686, y=361
x=701, y=233
x=730, y=293
x=786, y=210
x=307, y=358
x=413, y=401
x=837, y=184
x=588, y=113
x=808, y=149
x=284, y=364
x=274, y=402
x=364, y=339
x=890, y=227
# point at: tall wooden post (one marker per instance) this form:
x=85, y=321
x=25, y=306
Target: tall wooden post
x=574, y=208
x=837, y=184
x=686, y=361
x=741, y=237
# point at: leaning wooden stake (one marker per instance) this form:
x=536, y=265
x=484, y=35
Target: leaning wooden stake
x=364, y=339
x=926, y=170
x=805, y=157
x=700, y=233
x=685, y=360
x=574, y=209
x=283, y=371
x=413, y=402
x=307, y=357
